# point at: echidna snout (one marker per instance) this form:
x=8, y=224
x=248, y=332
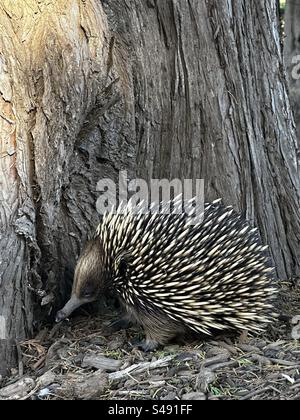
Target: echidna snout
x=172, y=275
x=73, y=303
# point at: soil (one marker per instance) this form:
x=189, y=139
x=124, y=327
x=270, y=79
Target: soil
x=82, y=359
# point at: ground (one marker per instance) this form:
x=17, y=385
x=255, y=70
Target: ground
x=81, y=359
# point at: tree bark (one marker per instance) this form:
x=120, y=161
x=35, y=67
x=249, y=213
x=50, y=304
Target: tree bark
x=292, y=57
x=163, y=89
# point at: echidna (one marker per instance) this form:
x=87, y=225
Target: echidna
x=172, y=275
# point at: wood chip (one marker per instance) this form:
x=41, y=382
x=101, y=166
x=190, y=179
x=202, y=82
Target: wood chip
x=98, y=361
x=18, y=389
x=141, y=367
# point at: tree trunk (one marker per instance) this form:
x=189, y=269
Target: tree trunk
x=164, y=88
x=292, y=58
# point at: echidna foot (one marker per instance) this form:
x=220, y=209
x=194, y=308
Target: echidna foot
x=148, y=345
x=120, y=324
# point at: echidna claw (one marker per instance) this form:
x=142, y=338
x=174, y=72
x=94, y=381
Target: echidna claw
x=119, y=324
x=148, y=345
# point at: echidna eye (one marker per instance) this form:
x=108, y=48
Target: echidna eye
x=88, y=292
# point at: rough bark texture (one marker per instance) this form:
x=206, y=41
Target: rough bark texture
x=292, y=58
x=165, y=88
